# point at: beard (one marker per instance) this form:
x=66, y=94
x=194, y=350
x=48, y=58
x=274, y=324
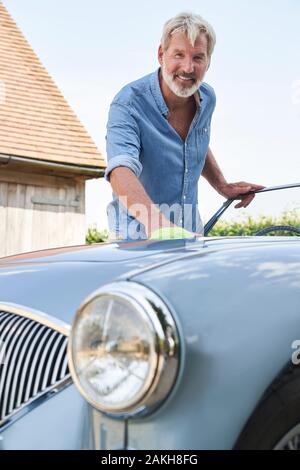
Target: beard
x=181, y=90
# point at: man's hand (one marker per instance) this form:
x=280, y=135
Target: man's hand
x=233, y=190
x=214, y=176
x=171, y=233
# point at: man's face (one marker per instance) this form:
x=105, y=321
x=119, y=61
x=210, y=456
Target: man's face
x=183, y=65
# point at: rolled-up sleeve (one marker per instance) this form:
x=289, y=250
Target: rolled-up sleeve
x=123, y=142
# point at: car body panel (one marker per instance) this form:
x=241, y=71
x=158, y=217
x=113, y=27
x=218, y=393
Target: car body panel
x=62, y=417
x=230, y=353
x=238, y=336
x=42, y=282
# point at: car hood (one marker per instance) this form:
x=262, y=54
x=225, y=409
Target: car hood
x=124, y=251
x=57, y=281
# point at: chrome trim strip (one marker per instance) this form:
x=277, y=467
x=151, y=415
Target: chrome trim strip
x=37, y=315
x=276, y=188
x=35, y=402
x=166, y=339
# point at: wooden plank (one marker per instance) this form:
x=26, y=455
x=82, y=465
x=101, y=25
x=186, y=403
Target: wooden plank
x=69, y=234
x=61, y=220
x=39, y=223
x=49, y=224
x=21, y=176
x=28, y=219
x=80, y=192
x=15, y=220
x=3, y=217
x=27, y=226
x=74, y=222
x=55, y=226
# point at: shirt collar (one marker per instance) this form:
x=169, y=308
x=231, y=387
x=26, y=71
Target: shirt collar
x=198, y=97
x=158, y=96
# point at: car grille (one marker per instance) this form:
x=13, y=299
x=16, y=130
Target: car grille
x=33, y=358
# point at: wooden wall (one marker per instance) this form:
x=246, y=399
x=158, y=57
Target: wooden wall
x=40, y=211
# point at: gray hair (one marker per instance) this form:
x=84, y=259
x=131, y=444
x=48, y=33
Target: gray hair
x=192, y=25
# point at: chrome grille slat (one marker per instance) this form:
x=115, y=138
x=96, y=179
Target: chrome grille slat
x=32, y=375
x=56, y=370
x=7, y=326
x=42, y=362
x=3, y=315
x=28, y=361
x=8, y=381
x=13, y=395
x=49, y=367
x=64, y=368
x=35, y=358
x=10, y=339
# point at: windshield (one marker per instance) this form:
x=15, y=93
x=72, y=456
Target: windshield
x=273, y=207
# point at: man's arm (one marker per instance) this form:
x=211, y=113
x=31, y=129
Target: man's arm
x=213, y=174
x=133, y=196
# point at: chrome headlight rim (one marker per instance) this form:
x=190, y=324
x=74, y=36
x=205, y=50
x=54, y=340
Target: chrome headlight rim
x=166, y=338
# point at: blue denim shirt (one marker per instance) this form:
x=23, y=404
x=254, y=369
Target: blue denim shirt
x=140, y=137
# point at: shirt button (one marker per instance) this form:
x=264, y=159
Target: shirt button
x=205, y=130
x=186, y=170
x=180, y=221
x=184, y=197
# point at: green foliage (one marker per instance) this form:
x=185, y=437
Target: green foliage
x=248, y=225
x=96, y=236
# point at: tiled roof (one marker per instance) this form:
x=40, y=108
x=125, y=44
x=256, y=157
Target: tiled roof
x=35, y=119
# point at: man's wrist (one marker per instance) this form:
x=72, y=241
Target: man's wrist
x=221, y=188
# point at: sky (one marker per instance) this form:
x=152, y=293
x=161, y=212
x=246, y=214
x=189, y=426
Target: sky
x=93, y=48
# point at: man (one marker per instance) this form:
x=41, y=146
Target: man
x=158, y=135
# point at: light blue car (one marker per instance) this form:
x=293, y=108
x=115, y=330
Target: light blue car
x=180, y=344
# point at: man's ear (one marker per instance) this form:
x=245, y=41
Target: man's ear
x=160, y=55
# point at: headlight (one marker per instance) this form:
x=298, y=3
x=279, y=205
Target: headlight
x=124, y=349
